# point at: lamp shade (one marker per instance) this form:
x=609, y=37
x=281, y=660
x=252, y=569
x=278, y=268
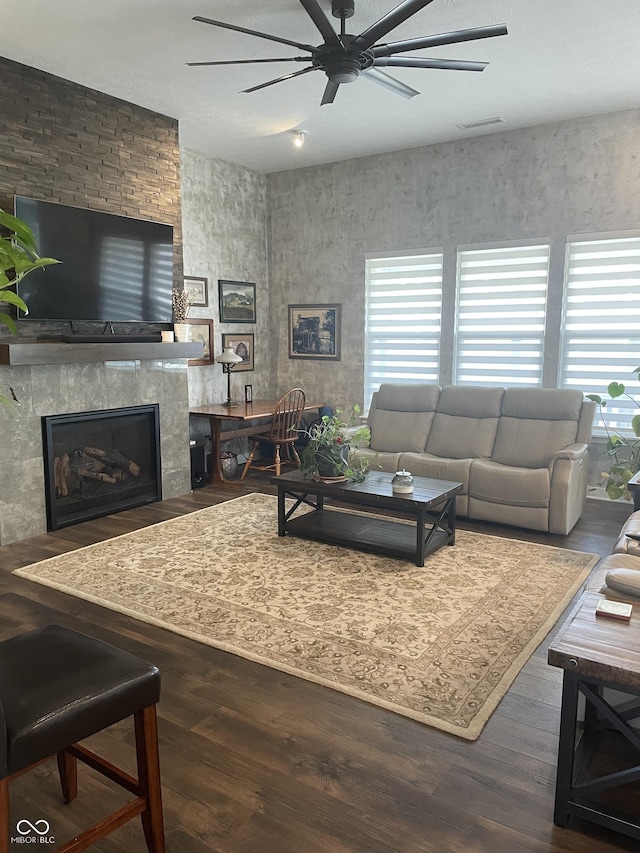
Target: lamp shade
x=228, y=357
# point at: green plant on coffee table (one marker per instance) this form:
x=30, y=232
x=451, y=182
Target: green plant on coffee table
x=623, y=450
x=330, y=451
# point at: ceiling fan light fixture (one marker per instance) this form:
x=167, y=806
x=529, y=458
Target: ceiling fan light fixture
x=298, y=138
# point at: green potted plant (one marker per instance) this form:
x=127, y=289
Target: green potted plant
x=623, y=450
x=18, y=257
x=329, y=453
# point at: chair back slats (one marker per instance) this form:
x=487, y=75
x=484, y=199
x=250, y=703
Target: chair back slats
x=287, y=416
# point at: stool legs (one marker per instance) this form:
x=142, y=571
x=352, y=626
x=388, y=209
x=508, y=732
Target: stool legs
x=68, y=770
x=4, y=815
x=146, y=728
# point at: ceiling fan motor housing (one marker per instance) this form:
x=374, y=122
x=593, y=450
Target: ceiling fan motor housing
x=342, y=8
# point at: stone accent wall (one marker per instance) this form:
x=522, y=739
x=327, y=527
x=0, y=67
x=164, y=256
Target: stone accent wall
x=63, y=142
x=550, y=181
x=224, y=215
x=57, y=389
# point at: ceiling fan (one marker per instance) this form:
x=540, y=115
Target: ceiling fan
x=344, y=57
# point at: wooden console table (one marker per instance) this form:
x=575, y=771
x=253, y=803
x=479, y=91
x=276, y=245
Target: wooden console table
x=247, y=416
x=596, y=654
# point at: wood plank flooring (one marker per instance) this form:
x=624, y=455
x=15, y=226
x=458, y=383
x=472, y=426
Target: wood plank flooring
x=257, y=761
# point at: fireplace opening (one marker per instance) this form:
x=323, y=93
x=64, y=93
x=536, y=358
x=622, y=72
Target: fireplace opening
x=98, y=463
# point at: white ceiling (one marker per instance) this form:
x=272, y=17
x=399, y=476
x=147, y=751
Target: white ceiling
x=562, y=59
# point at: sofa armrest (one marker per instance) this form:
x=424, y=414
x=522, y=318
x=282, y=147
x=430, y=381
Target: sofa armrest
x=572, y=451
x=568, y=470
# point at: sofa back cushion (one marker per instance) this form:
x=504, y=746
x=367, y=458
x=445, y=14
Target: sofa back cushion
x=466, y=422
x=401, y=417
x=534, y=424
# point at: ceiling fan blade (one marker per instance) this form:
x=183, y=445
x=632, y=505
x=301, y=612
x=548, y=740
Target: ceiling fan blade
x=249, y=61
x=419, y=62
x=387, y=23
x=280, y=79
x=308, y=47
x=439, y=40
x=389, y=82
x=323, y=23
x=330, y=91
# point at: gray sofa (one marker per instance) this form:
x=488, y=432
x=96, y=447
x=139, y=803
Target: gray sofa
x=521, y=454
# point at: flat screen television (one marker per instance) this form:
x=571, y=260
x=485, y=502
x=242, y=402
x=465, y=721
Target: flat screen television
x=114, y=268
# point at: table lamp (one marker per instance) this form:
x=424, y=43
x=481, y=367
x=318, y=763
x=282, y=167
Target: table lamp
x=228, y=359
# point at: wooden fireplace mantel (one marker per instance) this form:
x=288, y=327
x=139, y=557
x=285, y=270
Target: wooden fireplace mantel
x=62, y=353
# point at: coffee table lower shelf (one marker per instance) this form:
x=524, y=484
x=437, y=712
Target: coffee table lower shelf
x=374, y=535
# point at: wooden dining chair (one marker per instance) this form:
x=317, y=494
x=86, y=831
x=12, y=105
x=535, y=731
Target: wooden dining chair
x=281, y=432
x=58, y=687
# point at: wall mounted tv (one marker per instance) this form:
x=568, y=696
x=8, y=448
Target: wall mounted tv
x=114, y=269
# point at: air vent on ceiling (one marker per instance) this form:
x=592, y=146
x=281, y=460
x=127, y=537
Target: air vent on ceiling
x=482, y=123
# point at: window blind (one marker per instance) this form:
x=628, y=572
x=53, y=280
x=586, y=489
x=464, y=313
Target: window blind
x=403, y=303
x=501, y=297
x=601, y=320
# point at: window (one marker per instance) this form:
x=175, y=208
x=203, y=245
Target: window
x=501, y=297
x=403, y=303
x=601, y=319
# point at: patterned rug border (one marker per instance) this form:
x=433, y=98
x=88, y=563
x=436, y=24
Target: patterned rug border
x=470, y=733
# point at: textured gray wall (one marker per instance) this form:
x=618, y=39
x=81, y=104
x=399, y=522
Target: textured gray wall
x=224, y=214
x=543, y=182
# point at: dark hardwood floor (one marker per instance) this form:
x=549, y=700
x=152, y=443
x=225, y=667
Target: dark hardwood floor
x=257, y=761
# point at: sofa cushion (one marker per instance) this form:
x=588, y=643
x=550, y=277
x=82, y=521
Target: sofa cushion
x=502, y=484
x=401, y=417
x=534, y=424
x=437, y=468
x=466, y=422
x=624, y=580
x=629, y=539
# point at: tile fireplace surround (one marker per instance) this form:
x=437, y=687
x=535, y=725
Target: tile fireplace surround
x=85, y=383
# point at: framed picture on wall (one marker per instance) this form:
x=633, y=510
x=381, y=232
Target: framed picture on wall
x=237, y=301
x=314, y=332
x=242, y=344
x=198, y=290
x=197, y=331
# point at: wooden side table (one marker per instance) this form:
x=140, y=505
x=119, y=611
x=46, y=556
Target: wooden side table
x=596, y=653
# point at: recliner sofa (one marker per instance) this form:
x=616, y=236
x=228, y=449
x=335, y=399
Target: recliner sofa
x=521, y=454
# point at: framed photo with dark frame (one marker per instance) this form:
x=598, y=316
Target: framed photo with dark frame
x=314, y=331
x=198, y=290
x=195, y=330
x=242, y=345
x=237, y=301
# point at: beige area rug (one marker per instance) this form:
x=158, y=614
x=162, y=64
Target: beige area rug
x=440, y=644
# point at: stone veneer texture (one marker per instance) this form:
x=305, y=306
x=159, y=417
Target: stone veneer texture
x=63, y=142
x=60, y=389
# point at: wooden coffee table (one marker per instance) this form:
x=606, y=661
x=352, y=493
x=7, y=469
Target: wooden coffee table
x=432, y=506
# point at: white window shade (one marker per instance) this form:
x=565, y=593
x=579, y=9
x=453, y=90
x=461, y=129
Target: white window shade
x=500, y=315
x=402, y=319
x=601, y=320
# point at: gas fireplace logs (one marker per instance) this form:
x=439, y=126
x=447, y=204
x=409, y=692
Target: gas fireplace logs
x=91, y=463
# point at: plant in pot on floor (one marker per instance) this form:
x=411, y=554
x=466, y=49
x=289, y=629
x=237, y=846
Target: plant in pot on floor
x=330, y=452
x=623, y=450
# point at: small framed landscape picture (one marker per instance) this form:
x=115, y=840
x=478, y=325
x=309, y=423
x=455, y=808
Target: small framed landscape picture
x=198, y=290
x=237, y=301
x=242, y=345
x=314, y=332
x=197, y=331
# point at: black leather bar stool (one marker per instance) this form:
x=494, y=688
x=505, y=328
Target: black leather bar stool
x=58, y=687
